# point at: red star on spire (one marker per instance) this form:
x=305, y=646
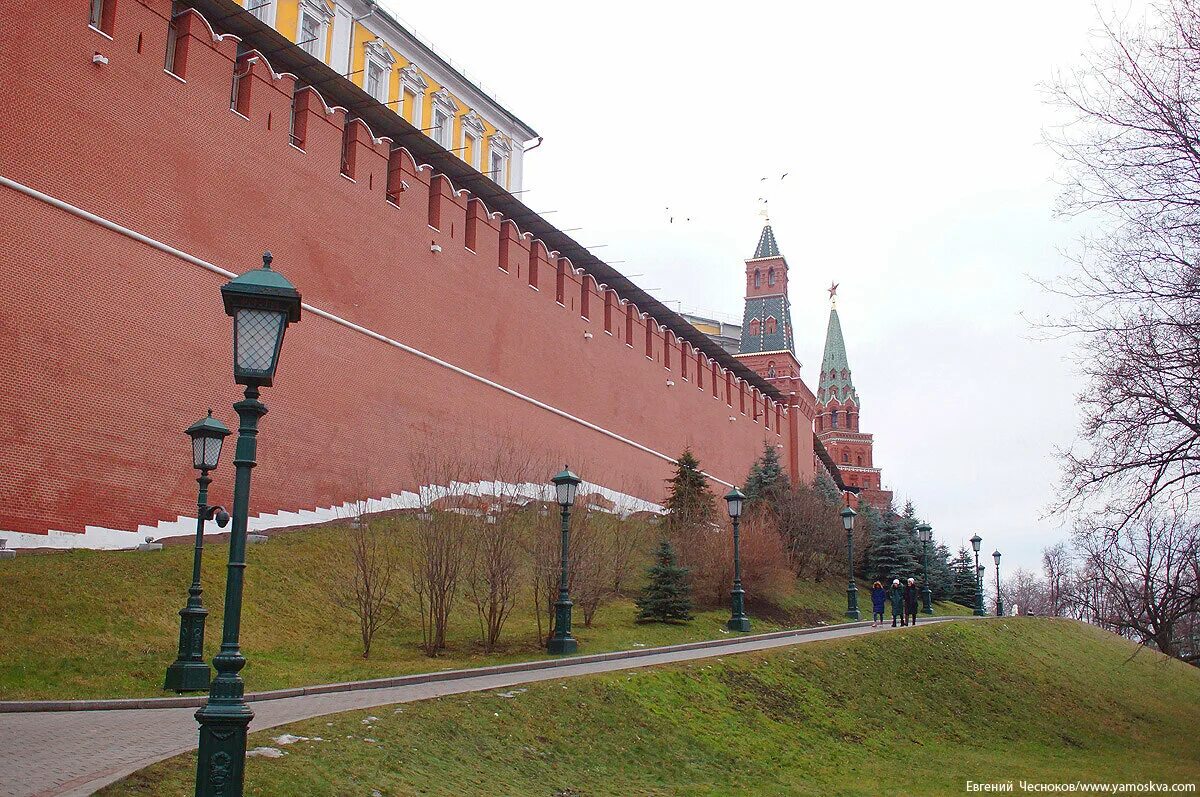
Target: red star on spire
x=833, y=286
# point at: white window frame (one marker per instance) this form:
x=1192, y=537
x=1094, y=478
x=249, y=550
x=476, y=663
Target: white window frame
x=96, y=13
x=412, y=81
x=447, y=107
x=376, y=54
x=473, y=131
x=499, y=148
x=264, y=14
x=314, y=9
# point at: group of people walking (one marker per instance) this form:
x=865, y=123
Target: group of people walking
x=903, y=600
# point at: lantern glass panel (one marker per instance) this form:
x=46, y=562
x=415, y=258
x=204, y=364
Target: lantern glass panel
x=996, y=556
x=566, y=492
x=976, y=543
x=212, y=452
x=848, y=519
x=735, y=507
x=198, y=453
x=257, y=337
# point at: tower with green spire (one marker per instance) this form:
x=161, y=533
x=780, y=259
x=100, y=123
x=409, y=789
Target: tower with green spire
x=838, y=406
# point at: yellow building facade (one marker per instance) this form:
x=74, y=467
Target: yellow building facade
x=362, y=41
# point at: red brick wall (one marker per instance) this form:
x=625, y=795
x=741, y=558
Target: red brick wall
x=113, y=347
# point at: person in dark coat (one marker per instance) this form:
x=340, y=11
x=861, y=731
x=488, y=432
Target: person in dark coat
x=878, y=596
x=896, y=596
x=910, y=602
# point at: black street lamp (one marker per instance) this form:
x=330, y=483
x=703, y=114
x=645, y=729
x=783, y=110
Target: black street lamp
x=189, y=672
x=851, y=588
x=976, y=543
x=999, y=600
x=262, y=303
x=926, y=533
x=565, y=485
x=738, y=621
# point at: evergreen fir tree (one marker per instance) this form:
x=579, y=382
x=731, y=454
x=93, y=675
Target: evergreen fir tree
x=766, y=477
x=941, y=577
x=892, y=552
x=965, y=584
x=689, y=500
x=667, y=596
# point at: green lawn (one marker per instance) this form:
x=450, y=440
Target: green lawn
x=911, y=713
x=104, y=624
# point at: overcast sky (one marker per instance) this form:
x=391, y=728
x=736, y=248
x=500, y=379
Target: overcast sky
x=916, y=178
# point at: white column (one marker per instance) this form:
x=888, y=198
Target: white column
x=515, y=164
x=339, y=59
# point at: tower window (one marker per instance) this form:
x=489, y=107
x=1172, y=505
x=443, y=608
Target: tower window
x=860, y=459
x=770, y=369
x=757, y=278
x=845, y=458
x=771, y=325
x=770, y=276
x=754, y=327
x=833, y=420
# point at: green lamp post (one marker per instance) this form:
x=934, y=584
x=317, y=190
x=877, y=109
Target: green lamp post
x=926, y=533
x=189, y=672
x=738, y=621
x=561, y=642
x=999, y=600
x=976, y=543
x=262, y=303
x=851, y=588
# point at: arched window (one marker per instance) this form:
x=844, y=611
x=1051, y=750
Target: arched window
x=833, y=420
x=770, y=369
x=771, y=324
x=860, y=459
x=757, y=278
x=845, y=458
x=771, y=276
x=754, y=327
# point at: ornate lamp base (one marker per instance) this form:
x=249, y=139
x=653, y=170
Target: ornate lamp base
x=739, y=624
x=563, y=645
x=189, y=672
x=188, y=676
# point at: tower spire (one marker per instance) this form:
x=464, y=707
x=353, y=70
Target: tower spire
x=837, y=383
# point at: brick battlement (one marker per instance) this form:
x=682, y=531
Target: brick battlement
x=434, y=323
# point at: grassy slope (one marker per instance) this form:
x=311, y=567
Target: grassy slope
x=105, y=624
x=917, y=712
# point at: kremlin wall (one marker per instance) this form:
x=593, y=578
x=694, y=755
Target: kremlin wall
x=442, y=320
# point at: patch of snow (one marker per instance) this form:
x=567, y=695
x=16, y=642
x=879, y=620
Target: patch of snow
x=267, y=752
x=287, y=738
x=513, y=693
x=369, y=739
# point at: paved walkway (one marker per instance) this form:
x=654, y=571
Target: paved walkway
x=77, y=752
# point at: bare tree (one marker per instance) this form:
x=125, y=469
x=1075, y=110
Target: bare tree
x=1149, y=581
x=1132, y=153
x=1056, y=563
x=1025, y=592
x=364, y=568
x=541, y=545
x=495, y=549
x=438, y=544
